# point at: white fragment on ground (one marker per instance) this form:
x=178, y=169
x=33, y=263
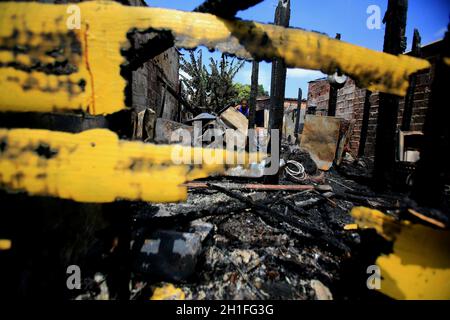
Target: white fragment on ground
x=321, y=291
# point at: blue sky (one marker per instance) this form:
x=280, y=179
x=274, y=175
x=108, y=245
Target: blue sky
x=347, y=17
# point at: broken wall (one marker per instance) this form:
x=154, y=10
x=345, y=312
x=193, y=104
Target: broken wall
x=350, y=102
x=318, y=95
x=150, y=80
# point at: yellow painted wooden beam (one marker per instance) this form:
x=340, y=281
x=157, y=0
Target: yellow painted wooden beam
x=5, y=244
x=44, y=66
x=419, y=266
x=95, y=166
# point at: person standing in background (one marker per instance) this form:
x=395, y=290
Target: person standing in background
x=243, y=107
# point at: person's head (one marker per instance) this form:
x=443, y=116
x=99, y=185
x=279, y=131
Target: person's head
x=244, y=103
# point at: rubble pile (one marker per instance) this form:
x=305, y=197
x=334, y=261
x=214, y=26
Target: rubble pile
x=246, y=255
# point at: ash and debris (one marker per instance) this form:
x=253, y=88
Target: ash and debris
x=243, y=256
x=232, y=243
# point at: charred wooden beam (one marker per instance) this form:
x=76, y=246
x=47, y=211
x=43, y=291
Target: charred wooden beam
x=299, y=111
x=225, y=8
x=183, y=215
x=250, y=186
x=332, y=101
x=253, y=94
x=178, y=96
x=276, y=219
x=93, y=57
x=394, y=43
x=95, y=166
x=416, y=252
x=433, y=169
x=141, y=53
x=334, y=88
x=278, y=85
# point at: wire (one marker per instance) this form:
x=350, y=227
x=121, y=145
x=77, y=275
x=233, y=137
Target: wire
x=299, y=174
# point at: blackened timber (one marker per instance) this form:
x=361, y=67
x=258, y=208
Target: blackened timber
x=253, y=94
x=275, y=219
x=225, y=8
x=334, y=87
x=278, y=85
x=433, y=170
x=141, y=53
x=299, y=111
x=178, y=114
x=394, y=43
x=165, y=40
x=177, y=95
x=365, y=124
x=409, y=98
x=332, y=101
x=183, y=215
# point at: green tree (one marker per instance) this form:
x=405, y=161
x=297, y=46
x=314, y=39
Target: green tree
x=243, y=91
x=210, y=90
x=195, y=81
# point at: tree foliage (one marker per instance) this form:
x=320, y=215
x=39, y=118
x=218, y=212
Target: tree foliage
x=213, y=89
x=243, y=91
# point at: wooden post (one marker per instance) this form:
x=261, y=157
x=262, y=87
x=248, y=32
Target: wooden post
x=332, y=99
x=409, y=99
x=253, y=95
x=365, y=124
x=178, y=117
x=299, y=111
x=278, y=84
x=225, y=8
x=394, y=43
x=433, y=167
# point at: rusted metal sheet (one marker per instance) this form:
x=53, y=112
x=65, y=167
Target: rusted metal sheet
x=320, y=137
x=45, y=66
x=95, y=166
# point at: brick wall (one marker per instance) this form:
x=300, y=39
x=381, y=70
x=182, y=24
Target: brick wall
x=420, y=104
x=345, y=100
x=318, y=94
x=350, y=102
x=371, y=131
x=355, y=112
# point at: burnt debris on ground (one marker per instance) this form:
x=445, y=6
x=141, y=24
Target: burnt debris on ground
x=237, y=238
x=244, y=244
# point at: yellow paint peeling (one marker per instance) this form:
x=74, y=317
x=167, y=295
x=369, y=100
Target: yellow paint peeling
x=91, y=56
x=351, y=226
x=447, y=61
x=5, y=244
x=419, y=267
x=168, y=292
x=95, y=166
